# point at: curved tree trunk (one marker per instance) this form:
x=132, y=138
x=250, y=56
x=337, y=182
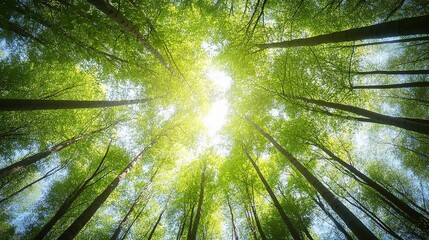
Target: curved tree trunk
x=128, y=27
x=390, y=86
x=357, y=227
x=292, y=230
x=18, y=166
x=414, y=125
x=402, y=27
x=38, y=104
x=85, y=216
x=403, y=208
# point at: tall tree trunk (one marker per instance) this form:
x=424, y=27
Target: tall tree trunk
x=194, y=229
x=155, y=226
x=128, y=27
x=390, y=86
x=398, y=72
x=71, y=198
x=85, y=216
x=135, y=203
x=357, y=227
x=20, y=31
x=38, y=104
x=391, y=41
x=49, y=173
x=414, y=125
x=258, y=223
x=249, y=222
x=234, y=228
x=41, y=155
x=402, y=27
x=412, y=215
x=292, y=230
x=336, y=223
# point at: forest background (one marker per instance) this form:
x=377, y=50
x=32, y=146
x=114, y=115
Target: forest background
x=255, y=119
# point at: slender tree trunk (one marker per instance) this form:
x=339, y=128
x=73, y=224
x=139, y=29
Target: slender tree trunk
x=292, y=230
x=20, y=31
x=155, y=226
x=49, y=173
x=194, y=229
x=249, y=221
x=128, y=27
x=390, y=86
x=234, y=228
x=392, y=41
x=71, y=198
x=85, y=216
x=182, y=224
x=398, y=72
x=258, y=223
x=41, y=155
x=135, y=203
x=403, y=208
x=191, y=220
x=415, y=126
x=357, y=227
x=38, y=104
x=402, y=27
x=337, y=224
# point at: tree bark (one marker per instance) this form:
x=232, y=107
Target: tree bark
x=128, y=27
x=37, y=104
x=355, y=225
x=70, y=199
x=292, y=230
x=398, y=72
x=391, y=86
x=392, y=41
x=258, y=223
x=193, y=234
x=415, y=125
x=41, y=155
x=402, y=27
x=400, y=206
x=85, y=216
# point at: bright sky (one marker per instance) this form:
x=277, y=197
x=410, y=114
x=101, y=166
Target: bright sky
x=216, y=117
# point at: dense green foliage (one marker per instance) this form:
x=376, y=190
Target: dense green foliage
x=304, y=147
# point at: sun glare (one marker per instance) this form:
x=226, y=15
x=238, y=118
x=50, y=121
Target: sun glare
x=216, y=117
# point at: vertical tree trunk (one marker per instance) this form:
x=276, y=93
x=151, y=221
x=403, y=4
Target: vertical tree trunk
x=400, y=206
x=41, y=155
x=292, y=230
x=128, y=27
x=391, y=86
x=414, y=125
x=402, y=27
x=38, y=104
x=85, y=216
x=258, y=223
x=357, y=227
x=70, y=199
x=234, y=228
x=194, y=229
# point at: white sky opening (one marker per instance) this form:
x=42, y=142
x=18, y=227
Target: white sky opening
x=216, y=117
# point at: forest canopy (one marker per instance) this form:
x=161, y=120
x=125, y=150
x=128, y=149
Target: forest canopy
x=214, y=119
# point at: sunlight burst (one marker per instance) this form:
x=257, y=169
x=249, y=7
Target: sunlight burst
x=216, y=118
